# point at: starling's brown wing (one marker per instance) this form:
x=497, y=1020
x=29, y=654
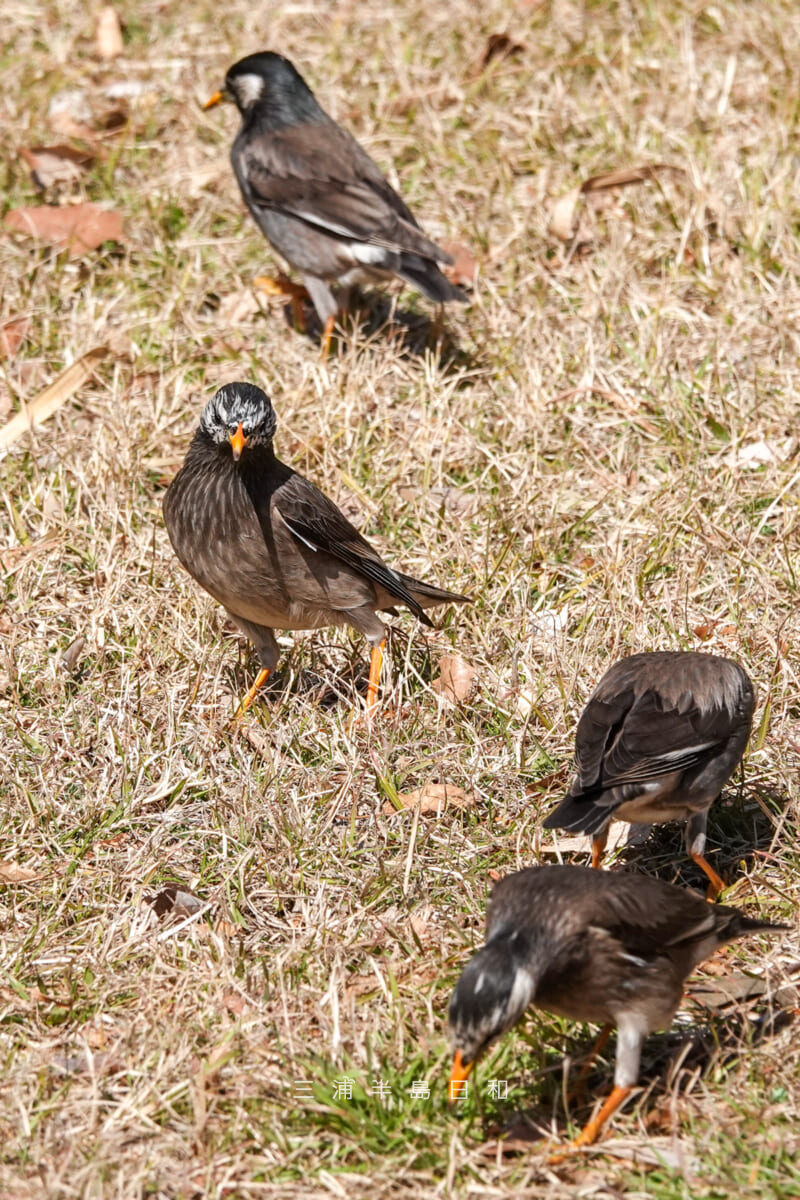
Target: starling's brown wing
x=318, y=173
x=630, y=738
x=317, y=523
x=644, y=913
x=648, y=916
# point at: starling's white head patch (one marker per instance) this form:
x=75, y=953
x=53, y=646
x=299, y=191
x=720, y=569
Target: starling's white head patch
x=248, y=89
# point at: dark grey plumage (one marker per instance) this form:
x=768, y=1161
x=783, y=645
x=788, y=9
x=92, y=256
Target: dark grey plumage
x=267, y=544
x=659, y=738
x=317, y=196
x=612, y=949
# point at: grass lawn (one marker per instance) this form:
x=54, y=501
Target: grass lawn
x=601, y=449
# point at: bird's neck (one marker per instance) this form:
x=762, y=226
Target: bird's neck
x=284, y=111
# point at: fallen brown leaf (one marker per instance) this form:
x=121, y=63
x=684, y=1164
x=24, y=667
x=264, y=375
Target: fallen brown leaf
x=432, y=799
x=109, y=34
x=175, y=901
x=234, y=1003
x=73, y=227
x=237, y=307
x=456, y=678
x=16, y=556
x=52, y=397
x=463, y=269
x=12, y=335
x=50, y=165
x=72, y=653
x=626, y=176
x=557, y=843
x=563, y=213
x=11, y=872
x=498, y=46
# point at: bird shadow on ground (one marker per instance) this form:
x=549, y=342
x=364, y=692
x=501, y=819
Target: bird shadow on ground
x=741, y=830
x=338, y=673
x=374, y=317
x=672, y=1064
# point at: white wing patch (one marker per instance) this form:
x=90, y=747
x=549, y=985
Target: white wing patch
x=294, y=532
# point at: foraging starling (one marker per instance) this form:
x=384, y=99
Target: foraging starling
x=317, y=196
x=608, y=949
x=660, y=737
x=269, y=546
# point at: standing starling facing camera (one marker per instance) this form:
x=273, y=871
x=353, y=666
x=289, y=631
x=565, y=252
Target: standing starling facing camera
x=318, y=197
x=609, y=949
x=269, y=546
x=660, y=737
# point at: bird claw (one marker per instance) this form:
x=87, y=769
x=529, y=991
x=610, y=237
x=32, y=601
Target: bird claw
x=295, y=293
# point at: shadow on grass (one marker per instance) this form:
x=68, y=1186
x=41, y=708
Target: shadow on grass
x=740, y=831
x=375, y=317
x=669, y=1059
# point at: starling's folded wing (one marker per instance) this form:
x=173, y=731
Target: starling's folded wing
x=319, y=174
x=317, y=523
x=632, y=738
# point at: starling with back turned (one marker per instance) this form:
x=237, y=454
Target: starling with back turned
x=659, y=738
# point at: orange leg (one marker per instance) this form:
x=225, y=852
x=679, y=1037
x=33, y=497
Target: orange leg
x=591, y=1131
x=261, y=678
x=327, y=337
x=602, y=1038
x=375, y=663
x=283, y=286
x=598, y=846
x=716, y=885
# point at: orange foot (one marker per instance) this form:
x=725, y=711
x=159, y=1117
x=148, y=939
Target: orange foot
x=715, y=885
x=591, y=1132
x=261, y=679
x=283, y=286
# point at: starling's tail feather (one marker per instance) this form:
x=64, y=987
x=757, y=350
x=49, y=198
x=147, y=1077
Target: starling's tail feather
x=426, y=595
x=423, y=274
x=579, y=815
x=740, y=925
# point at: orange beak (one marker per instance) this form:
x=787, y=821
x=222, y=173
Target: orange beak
x=217, y=98
x=238, y=441
x=459, y=1074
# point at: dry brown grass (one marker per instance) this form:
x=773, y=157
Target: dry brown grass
x=572, y=457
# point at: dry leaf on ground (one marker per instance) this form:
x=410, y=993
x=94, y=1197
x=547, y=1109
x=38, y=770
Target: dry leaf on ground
x=175, y=901
x=564, y=210
x=109, y=34
x=237, y=307
x=74, y=650
x=498, y=46
x=618, y=836
x=11, y=872
x=74, y=227
x=432, y=799
x=456, y=678
x=463, y=268
x=52, y=397
x=762, y=453
x=50, y=165
x=12, y=335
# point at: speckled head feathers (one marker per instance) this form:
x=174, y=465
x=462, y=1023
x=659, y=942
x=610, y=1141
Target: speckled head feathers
x=492, y=993
x=235, y=404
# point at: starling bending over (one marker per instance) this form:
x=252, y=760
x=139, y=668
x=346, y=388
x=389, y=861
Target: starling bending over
x=660, y=737
x=318, y=197
x=591, y=946
x=269, y=546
